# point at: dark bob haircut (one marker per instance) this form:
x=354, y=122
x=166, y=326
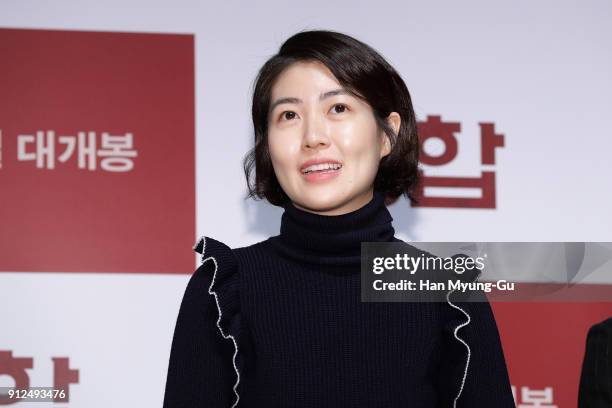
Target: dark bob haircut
x=363, y=72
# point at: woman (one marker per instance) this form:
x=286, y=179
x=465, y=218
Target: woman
x=280, y=323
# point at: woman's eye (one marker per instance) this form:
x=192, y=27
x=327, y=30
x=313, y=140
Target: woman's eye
x=339, y=108
x=287, y=115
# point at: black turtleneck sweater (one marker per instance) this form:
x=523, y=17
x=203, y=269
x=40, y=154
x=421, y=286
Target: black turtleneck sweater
x=281, y=324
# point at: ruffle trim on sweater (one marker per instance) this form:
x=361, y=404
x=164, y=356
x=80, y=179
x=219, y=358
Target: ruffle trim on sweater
x=225, y=289
x=459, y=321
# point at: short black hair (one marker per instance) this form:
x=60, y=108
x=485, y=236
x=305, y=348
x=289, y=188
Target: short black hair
x=362, y=71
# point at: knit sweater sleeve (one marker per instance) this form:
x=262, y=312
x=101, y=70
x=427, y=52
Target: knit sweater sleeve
x=473, y=370
x=201, y=370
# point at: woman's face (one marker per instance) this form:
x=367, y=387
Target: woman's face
x=313, y=120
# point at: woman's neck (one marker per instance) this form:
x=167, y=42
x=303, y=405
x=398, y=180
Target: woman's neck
x=349, y=206
x=333, y=240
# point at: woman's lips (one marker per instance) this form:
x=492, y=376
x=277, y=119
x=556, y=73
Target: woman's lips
x=317, y=176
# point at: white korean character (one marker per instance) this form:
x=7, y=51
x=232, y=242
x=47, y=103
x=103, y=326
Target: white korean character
x=70, y=142
x=45, y=149
x=536, y=398
x=87, y=150
x=117, y=150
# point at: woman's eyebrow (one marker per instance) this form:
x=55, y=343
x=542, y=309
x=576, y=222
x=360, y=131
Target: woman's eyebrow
x=328, y=94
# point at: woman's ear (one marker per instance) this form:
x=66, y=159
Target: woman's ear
x=394, y=120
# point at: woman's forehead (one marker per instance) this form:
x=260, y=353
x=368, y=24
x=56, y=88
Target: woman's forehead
x=305, y=77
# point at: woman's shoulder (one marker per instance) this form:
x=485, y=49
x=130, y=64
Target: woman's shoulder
x=211, y=247
x=224, y=266
x=219, y=267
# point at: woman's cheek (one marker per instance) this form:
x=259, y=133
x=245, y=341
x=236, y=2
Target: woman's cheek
x=347, y=135
x=283, y=152
x=276, y=146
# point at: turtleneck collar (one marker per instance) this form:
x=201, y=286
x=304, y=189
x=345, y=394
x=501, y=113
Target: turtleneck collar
x=333, y=239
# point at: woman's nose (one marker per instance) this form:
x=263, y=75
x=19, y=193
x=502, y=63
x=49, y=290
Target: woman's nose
x=315, y=132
